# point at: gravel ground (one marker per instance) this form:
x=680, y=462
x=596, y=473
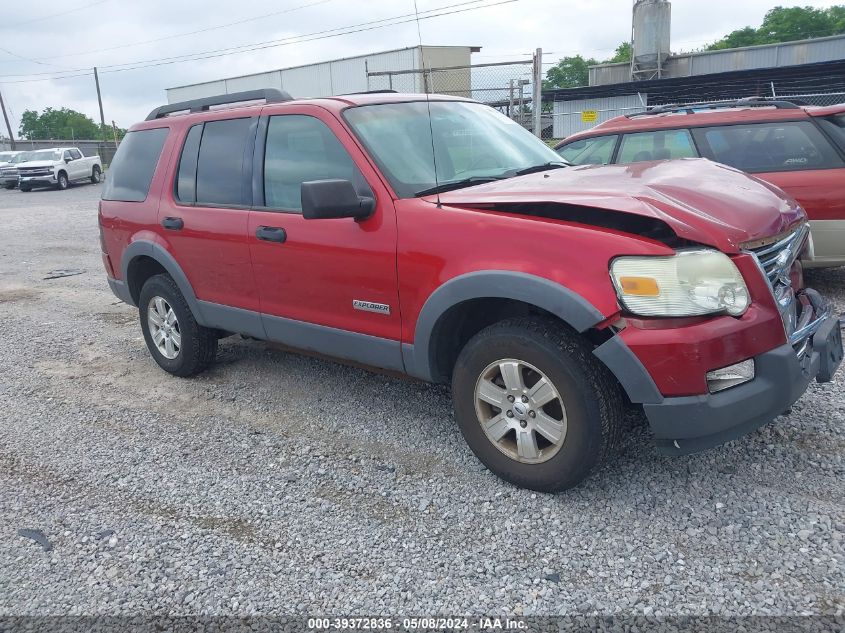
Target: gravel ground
x=277, y=483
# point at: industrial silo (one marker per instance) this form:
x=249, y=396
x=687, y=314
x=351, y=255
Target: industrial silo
x=650, y=37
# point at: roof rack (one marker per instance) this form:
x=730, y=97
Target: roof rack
x=368, y=92
x=692, y=108
x=269, y=95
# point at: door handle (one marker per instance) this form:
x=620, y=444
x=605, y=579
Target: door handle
x=173, y=224
x=271, y=234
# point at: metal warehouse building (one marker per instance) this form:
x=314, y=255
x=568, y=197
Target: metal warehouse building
x=808, y=69
x=339, y=76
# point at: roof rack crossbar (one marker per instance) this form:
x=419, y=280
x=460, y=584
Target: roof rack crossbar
x=269, y=95
x=692, y=108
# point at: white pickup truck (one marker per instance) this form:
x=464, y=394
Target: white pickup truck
x=57, y=167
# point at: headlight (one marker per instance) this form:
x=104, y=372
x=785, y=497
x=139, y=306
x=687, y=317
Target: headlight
x=689, y=283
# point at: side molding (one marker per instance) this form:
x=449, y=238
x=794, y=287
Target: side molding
x=567, y=305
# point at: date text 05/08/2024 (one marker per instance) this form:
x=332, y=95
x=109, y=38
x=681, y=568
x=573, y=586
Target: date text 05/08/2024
x=419, y=624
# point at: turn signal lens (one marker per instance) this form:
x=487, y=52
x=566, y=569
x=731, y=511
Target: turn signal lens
x=639, y=286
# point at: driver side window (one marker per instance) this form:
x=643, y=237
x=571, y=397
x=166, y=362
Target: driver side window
x=299, y=149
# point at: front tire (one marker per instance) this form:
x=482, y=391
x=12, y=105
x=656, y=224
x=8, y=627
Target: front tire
x=26, y=189
x=62, y=182
x=534, y=404
x=95, y=175
x=176, y=341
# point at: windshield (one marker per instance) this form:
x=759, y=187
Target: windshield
x=472, y=142
x=44, y=154
x=5, y=157
x=21, y=158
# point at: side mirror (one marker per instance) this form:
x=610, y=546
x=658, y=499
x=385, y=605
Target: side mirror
x=68, y=159
x=329, y=199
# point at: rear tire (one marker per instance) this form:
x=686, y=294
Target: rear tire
x=95, y=175
x=574, y=424
x=62, y=182
x=179, y=344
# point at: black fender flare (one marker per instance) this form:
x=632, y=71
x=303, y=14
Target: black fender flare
x=543, y=293
x=145, y=248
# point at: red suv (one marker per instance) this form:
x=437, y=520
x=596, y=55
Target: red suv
x=799, y=149
x=436, y=237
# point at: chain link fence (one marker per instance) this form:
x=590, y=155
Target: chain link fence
x=506, y=86
x=570, y=117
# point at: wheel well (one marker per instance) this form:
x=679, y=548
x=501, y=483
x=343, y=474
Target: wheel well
x=141, y=269
x=464, y=320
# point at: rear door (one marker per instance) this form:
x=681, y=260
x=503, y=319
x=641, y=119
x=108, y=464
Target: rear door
x=204, y=214
x=325, y=285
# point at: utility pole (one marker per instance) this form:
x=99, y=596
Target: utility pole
x=100, y=101
x=8, y=125
x=537, y=97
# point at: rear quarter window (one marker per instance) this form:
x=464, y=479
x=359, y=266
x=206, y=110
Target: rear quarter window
x=597, y=150
x=835, y=126
x=134, y=164
x=768, y=147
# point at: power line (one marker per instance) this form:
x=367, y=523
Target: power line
x=184, y=34
x=301, y=39
x=298, y=39
x=55, y=15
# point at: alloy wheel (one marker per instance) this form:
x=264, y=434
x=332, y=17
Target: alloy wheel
x=520, y=411
x=164, y=328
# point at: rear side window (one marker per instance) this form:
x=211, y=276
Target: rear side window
x=657, y=145
x=299, y=149
x=589, y=151
x=134, y=164
x=764, y=147
x=220, y=166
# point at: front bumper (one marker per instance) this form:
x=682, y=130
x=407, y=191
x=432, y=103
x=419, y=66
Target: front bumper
x=5, y=181
x=35, y=181
x=690, y=424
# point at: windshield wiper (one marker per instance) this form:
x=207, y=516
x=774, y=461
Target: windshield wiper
x=457, y=184
x=543, y=167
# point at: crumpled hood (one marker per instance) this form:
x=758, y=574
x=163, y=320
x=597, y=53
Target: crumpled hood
x=700, y=200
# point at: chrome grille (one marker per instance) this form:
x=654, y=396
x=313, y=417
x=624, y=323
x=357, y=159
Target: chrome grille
x=776, y=260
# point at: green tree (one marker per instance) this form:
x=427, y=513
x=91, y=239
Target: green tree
x=622, y=54
x=786, y=24
x=569, y=72
x=747, y=36
x=57, y=124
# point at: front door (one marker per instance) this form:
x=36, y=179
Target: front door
x=325, y=285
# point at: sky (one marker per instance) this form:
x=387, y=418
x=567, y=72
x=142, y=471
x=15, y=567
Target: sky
x=39, y=42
